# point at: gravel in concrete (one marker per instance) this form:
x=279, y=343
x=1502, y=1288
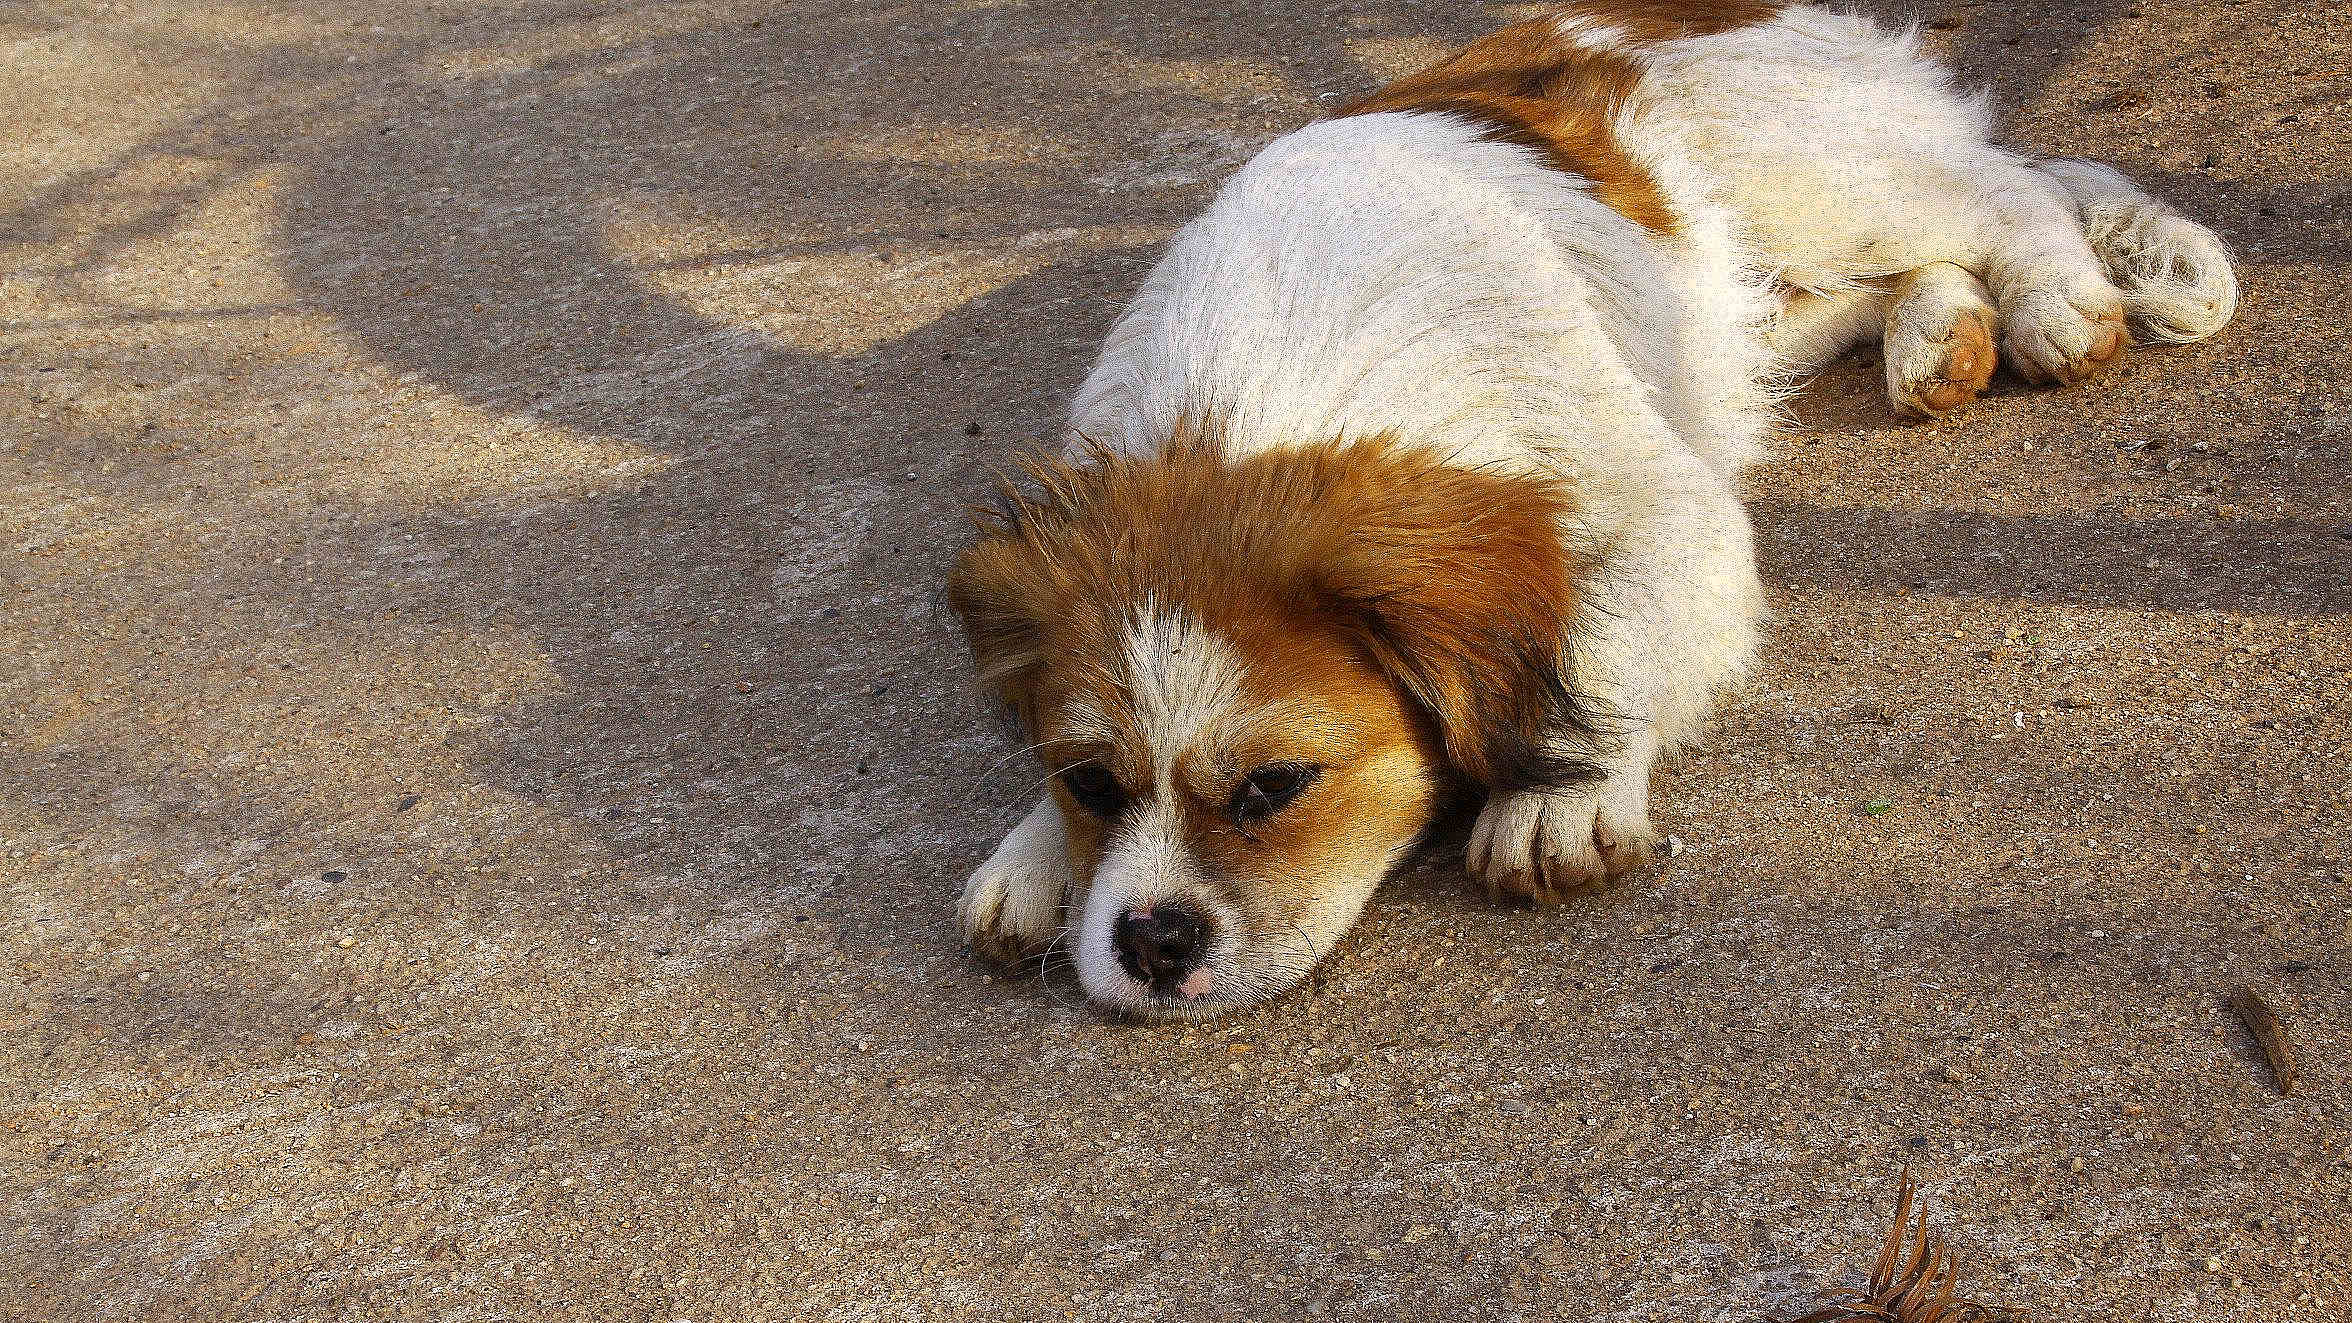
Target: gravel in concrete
x=484, y=769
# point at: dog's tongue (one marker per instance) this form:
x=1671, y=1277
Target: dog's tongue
x=1195, y=984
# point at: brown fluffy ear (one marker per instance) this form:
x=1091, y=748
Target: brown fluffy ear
x=1013, y=585
x=1460, y=590
x=1005, y=593
x=1039, y=549
x=1001, y=621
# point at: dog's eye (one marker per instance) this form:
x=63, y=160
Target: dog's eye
x=1266, y=791
x=1096, y=790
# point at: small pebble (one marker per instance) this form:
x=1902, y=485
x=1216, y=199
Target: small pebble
x=345, y=942
x=2213, y=1265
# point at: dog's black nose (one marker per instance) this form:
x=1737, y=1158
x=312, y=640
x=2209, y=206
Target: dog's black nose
x=1161, y=945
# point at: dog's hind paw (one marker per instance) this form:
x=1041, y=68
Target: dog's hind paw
x=1939, y=341
x=2057, y=334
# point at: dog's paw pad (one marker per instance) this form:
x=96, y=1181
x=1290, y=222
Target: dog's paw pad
x=1932, y=377
x=2052, y=338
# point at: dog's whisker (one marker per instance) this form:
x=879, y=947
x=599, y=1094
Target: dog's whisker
x=1017, y=753
x=1313, y=956
x=1045, y=971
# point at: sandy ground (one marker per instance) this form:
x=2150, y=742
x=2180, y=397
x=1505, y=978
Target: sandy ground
x=484, y=769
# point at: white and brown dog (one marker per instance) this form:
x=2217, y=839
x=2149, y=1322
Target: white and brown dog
x=1414, y=463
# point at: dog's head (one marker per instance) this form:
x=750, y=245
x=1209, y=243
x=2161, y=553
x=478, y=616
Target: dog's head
x=1250, y=679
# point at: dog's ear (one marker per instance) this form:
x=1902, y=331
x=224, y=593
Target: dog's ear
x=1004, y=595
x=1459, y=587
x=1010, y=586
x=1003, y=621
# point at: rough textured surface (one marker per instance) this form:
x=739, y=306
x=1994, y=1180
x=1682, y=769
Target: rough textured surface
x=484, y=772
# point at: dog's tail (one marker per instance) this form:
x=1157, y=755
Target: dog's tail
x=2177, y=281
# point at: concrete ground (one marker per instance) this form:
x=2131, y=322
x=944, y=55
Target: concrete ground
x=484, y=769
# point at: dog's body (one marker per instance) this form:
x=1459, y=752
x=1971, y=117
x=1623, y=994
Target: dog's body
x=1414, y=462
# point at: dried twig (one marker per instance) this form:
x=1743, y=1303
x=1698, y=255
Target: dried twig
x=1917, y=1287
x=2267, y=1035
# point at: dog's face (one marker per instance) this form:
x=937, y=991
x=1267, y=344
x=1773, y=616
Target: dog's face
x=1233, y=791
x=1249, y=682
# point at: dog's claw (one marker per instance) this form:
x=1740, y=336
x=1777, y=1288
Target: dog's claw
x=1546, y=845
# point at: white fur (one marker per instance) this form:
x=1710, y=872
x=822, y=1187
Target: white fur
x=1013, y=903
x=2175, y=275
x=1181, y=680
x=1399, y=274
x=1924, y=321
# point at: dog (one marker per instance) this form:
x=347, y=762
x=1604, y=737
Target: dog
x=1412, y=466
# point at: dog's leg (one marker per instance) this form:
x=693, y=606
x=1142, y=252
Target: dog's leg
x=1945, y=214
x=2061, y=318
x=1809, y=328
x=1012, y=906
x=1849, y=155
x=1938, y=323
x=1940, y=331
x=2174, y=273
x=1670, y=621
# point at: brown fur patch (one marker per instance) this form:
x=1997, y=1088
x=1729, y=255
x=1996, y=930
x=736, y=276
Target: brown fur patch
x=1380, y=786
x=1673, y=20
x=1449, y=586
x=1529, y=86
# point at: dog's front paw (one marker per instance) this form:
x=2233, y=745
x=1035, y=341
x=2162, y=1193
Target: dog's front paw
x=1012, y=905
x=1544, y=844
